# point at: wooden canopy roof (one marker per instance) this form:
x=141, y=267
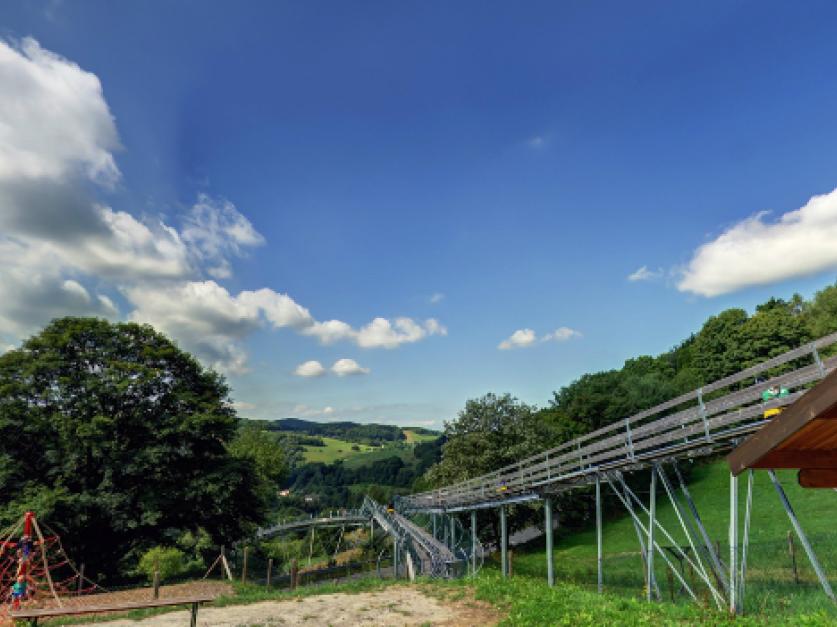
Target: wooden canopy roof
x=803, y=436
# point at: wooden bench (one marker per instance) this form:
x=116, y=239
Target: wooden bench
x=33, y=615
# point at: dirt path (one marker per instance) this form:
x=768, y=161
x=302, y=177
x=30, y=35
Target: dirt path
x=393, y=606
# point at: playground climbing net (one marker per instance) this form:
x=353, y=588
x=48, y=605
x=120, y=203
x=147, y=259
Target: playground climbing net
x=35, y=571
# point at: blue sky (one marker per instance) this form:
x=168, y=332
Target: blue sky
x=239, y=173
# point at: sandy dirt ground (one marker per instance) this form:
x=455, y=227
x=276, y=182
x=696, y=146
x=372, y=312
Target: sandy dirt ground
x=393, y=606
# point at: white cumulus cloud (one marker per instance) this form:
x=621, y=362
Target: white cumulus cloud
x=74, y=132
x=561, y=334
x=757, y=251
x=311, y=368
x=519, y=339
x=345, y=367
x=379, y=333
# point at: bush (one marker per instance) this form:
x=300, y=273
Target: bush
x=170, y=561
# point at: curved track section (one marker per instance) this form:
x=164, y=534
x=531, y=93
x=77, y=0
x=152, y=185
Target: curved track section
x=350, y=518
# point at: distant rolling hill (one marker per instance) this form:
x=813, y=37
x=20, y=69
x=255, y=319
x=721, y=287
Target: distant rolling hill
x=369, y=434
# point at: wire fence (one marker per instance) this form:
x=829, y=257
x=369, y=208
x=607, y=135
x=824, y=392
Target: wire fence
x=778, y=572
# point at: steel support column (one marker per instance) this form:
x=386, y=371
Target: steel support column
x=746, y=541
x=809, y=550
x=688, y=532
x=599, y=562
x=641, y=530
x=682, y=554
x=473, y=542
x=733, y=543
x=652, y=515
x=395, y=558
x=504, y=543
x=717, y=567
x=452, y=523
x=547, y=508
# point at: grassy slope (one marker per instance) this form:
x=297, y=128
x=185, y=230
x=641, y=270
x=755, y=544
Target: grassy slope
x=337, y=449
x=333, y=450
x=770, y=578
x=413, y=437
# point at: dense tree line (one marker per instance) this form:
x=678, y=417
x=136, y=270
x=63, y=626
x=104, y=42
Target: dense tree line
x=494, y=431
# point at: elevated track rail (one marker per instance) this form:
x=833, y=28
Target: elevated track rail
x=702, y=422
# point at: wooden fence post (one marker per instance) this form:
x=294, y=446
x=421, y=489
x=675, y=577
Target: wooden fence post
x=294, y=573
x=244, y=565
x=269, y=571
x=80, y=578
x=156, y=583
x=792, y=552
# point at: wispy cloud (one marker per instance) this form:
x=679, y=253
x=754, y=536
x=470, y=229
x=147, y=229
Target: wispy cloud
x=437, y=298
x=757, y=251
x=644, y=274
x=525, y=338
x=348, y=367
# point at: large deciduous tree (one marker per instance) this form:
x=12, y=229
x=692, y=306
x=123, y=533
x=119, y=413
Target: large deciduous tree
x=119, y=440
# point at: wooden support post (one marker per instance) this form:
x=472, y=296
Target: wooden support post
x=225, y=563
x=504, y=543
x=244, y=564
x=44, y=558
x=452, y=532
x=269, y=572
x=792, y=553
x=156, y=593
x=547, y=508
x=294, y=574
x=80, y=578
x=194, y=618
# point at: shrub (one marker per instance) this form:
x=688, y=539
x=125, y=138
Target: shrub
x=169, y=561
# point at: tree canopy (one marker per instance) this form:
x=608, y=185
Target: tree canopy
x=118, y=440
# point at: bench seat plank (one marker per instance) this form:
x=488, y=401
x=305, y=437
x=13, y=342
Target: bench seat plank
x=112, y=607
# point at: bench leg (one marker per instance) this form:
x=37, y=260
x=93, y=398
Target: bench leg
x=194, y=622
